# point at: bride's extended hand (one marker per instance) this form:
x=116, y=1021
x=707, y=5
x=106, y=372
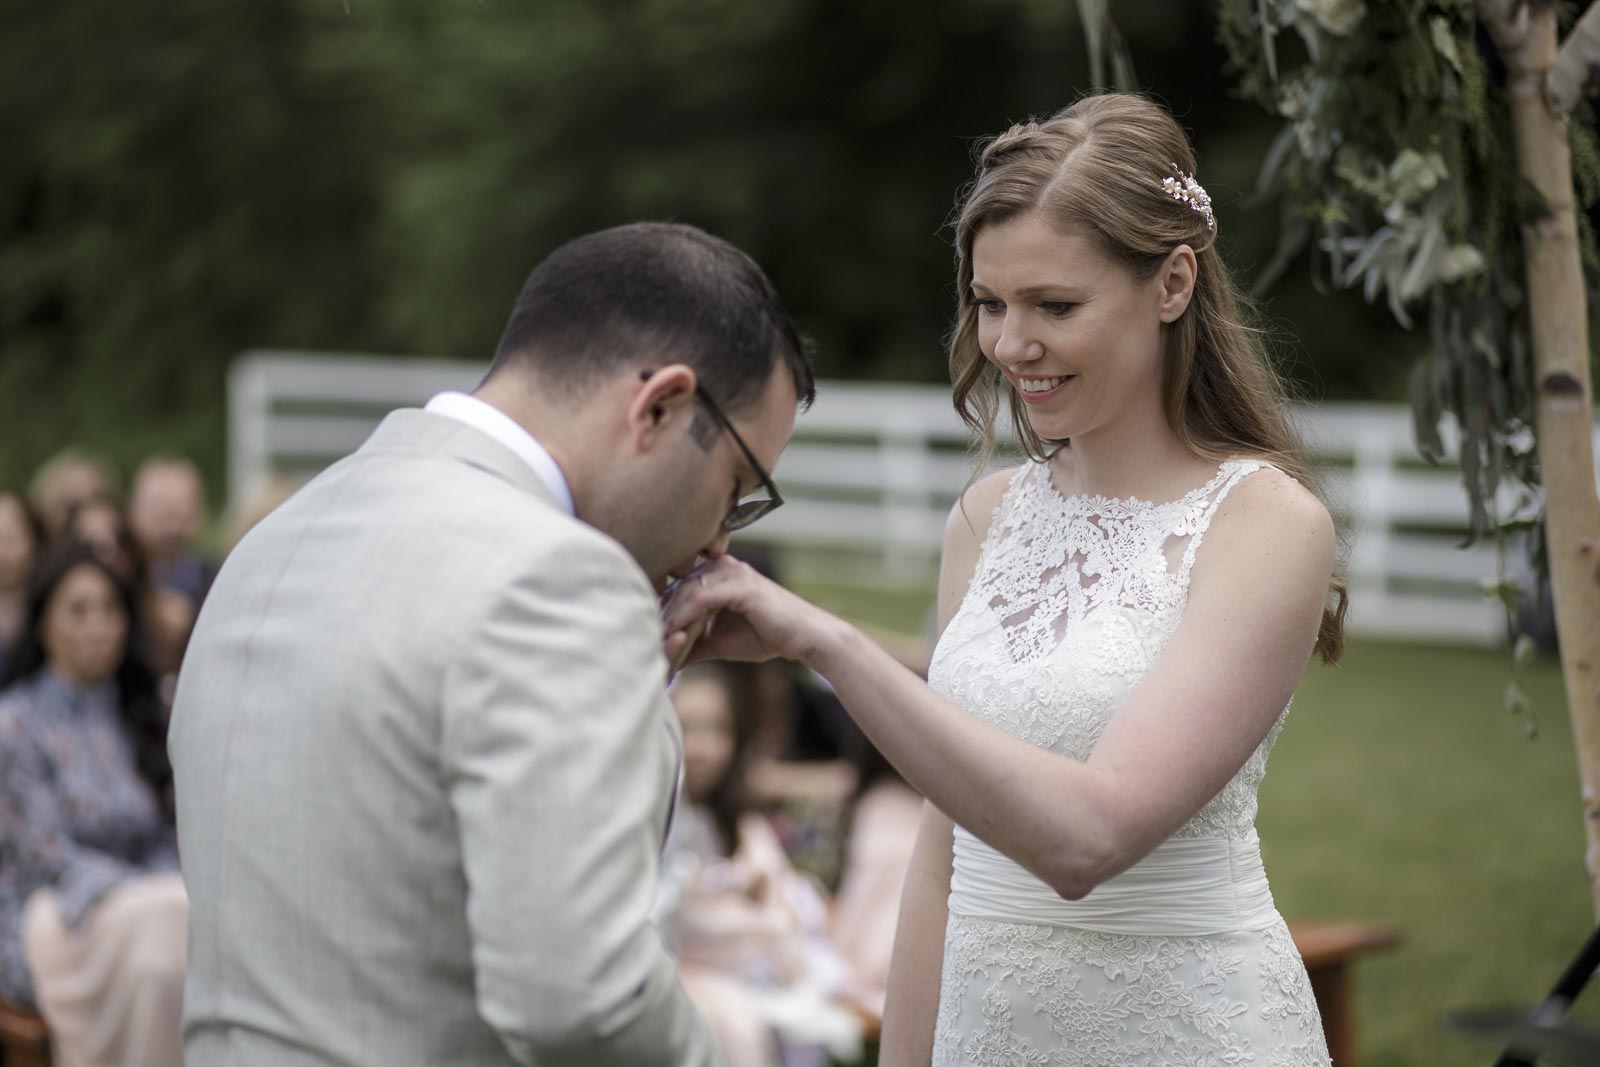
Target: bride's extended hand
x=756, y=619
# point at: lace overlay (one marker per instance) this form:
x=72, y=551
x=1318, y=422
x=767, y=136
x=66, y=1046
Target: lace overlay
x=1072, y=601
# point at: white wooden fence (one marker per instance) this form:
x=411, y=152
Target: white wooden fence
x=874, y=468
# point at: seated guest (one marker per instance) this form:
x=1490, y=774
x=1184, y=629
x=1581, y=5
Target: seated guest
x=881, y=830
x=63, y=481
x=165, y=509
x=259, y=502
x=748, y=931
x=20, y=543
x=92, y=910
x=166, y=614
x=800, y=770
x=796, y=771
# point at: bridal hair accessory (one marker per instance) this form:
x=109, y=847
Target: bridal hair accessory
x=1185, y=190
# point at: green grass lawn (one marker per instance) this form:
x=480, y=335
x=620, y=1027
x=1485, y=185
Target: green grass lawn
x=1403, y=791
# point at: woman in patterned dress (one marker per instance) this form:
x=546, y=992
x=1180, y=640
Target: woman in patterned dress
x=92, y=909
x=1123, y=621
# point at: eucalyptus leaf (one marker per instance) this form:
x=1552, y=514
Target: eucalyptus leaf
x=1444, y=42
x=1272, y=166
x=1423, y=269
x=1369, y=249
x=1093, y=15
x=1524, y=651
x=1426, y=411
x=1269, y=30
x=1517, y=703
x=1293, y=236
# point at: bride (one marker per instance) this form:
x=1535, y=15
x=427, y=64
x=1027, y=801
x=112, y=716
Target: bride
x=1124, y=619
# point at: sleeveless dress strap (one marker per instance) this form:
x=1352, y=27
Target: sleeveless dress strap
x=1197, y=520
x=1001, y=514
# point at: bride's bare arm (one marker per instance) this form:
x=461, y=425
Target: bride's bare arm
x=912, y=1004
x=1255, y=604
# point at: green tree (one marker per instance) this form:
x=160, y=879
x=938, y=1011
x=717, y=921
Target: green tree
x=379, y=175
x=171, y=183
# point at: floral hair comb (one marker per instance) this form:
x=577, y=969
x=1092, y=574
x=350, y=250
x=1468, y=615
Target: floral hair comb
x=1185, y=190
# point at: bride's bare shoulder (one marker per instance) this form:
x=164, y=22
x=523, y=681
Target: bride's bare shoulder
x=971, y=515
x=1269, y=493
x=1269, y=513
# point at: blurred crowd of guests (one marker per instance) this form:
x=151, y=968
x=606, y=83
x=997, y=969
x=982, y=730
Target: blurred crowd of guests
x=781, y=880
x=97, y=598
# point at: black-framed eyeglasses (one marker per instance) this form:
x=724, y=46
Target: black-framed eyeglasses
x=743, y=512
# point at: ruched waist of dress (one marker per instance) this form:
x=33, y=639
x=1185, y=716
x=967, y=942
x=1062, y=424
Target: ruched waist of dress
x=1187, y=887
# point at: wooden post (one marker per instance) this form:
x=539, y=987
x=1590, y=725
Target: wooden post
x=1525, y=32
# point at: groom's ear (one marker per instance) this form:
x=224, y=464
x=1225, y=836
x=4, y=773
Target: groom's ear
x=662, y=404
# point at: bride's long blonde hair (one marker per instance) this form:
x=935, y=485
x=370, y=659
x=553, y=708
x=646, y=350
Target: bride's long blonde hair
x=1096, y=168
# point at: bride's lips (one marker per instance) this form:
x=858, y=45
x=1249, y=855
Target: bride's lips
x=1041, y=397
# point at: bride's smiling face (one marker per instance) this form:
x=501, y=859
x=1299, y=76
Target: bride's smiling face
x=1076, y=334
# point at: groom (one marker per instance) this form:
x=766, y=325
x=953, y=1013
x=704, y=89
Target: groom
x=424, y=759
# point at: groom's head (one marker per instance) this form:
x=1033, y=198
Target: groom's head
x=642, y=356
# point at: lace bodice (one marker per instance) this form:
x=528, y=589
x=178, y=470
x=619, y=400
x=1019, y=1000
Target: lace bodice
x=1183, y=958
x=1072, y=600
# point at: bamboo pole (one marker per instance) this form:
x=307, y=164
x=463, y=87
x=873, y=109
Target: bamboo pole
x=1525, y=32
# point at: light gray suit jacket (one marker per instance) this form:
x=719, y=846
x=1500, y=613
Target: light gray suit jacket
x=424, y=768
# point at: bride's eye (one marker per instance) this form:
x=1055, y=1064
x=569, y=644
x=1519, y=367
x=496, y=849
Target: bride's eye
x=989, y=306
x=1056, y=307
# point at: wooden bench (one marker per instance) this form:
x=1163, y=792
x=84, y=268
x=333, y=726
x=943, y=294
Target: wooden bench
x=24, y=1038
x=1328, y=948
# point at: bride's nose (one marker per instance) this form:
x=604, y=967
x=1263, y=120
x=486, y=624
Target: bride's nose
x=1014, y=347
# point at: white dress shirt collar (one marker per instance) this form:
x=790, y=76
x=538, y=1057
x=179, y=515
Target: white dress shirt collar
x=497, y=424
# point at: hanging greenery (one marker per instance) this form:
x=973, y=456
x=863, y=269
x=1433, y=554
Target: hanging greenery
x=1397, y=166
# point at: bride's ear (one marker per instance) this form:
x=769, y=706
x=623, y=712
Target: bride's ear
x=1178, y=276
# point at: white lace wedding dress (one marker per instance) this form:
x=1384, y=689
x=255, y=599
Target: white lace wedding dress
x=1181, y=961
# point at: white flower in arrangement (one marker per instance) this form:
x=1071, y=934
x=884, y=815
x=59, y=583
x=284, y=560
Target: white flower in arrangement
x=1315, y=141
x=1338, y=17
x=1361, y=172
x=1414, y=175
x=1461, y=261
x=1521, y=440
x=1293, y=95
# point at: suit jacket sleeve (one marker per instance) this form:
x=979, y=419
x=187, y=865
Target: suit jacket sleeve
x=560, y=765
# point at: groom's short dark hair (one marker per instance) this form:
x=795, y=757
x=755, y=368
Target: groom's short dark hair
x=599, y=301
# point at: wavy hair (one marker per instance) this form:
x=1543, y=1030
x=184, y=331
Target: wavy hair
x=1096, y=169
x=138, y=697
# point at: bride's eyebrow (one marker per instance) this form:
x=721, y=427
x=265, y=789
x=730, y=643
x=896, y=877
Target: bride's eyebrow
x=1056, y=288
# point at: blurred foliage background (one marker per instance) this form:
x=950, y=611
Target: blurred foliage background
x=182, y=182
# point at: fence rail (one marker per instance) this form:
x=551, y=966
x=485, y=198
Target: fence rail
x=874, y=468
